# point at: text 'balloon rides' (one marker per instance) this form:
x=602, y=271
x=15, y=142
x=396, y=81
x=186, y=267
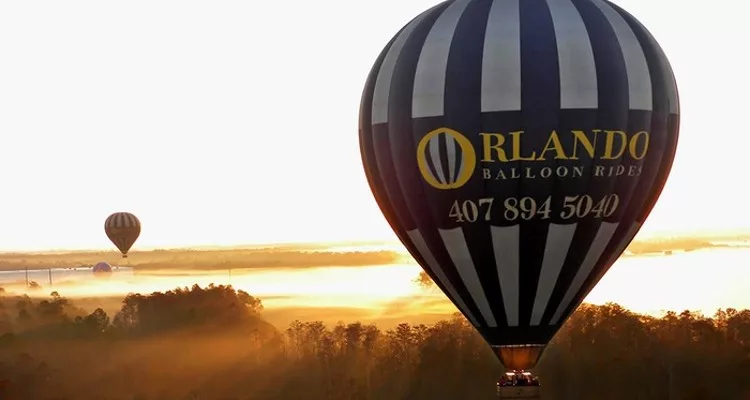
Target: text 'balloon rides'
x=123, y=229
x=516, y=147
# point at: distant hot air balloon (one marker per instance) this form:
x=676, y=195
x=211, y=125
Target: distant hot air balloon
x=516, y=148
x=123, y=229
x=102, y=269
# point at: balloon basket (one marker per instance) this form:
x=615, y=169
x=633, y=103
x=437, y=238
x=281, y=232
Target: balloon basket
x=519, y=385
x=519, y=392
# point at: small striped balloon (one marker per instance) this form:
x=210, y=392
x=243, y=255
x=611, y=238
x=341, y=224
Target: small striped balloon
x=123, y=229
x=516, y=147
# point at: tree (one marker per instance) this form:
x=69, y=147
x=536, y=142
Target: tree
x=212, y=342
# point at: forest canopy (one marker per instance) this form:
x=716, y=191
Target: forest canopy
x=213, y=343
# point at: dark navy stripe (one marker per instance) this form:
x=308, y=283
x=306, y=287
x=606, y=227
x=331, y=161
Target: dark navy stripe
x=612, y=114
x=463, y=93
x=404, y=136
x=367, y=148
x=673, y=127
x=373, y=174
x=659, y=133
x=374, y=178
x=540, y=105
x=661, y=148
x=666, y=124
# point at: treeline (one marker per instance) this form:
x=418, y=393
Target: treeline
x=212, y=343
x=206, y=259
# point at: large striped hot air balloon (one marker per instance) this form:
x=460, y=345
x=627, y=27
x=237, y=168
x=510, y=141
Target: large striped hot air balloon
x=516, y=147
x=122, y=228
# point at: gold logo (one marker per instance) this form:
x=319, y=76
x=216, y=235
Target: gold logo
x=452, y=169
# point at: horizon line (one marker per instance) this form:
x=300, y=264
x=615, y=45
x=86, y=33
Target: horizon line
x=333, y=243
x=205, y=247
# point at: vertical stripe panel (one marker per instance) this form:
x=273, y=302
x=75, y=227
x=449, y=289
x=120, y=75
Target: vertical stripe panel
x=559, y=238
x=429, y=83
x=459, y=253
x=501, y=63
x=603, y=236
x=577, y=68
x=639, y=78
x=381, y=95
x=506, y=246
x=663, y=63
x=429, y=258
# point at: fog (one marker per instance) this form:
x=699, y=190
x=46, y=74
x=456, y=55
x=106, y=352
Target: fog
x=388, y=293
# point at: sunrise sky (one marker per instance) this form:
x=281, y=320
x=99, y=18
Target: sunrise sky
x=236, y=121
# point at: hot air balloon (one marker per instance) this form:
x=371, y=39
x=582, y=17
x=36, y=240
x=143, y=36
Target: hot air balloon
x=122, y=228
x=516, y=148
x=102, y=269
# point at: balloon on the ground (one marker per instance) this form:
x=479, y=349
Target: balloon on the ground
x=516, y=147
x=102, y=269
x=123, y=229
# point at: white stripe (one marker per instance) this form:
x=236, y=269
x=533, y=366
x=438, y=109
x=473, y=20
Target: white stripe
x=455, y=243
x=506, y=247
x=429, y=82
x=632, y=231
x=665, y=67
x=556, y=250
x=416, y=237
x=435, y=156
x=578, y=86
x=600, y=242
x=450, y=146
x=381, y=94
x=501, y=59
x=636, y=67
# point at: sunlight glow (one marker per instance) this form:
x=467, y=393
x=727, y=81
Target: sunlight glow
x=644, y=284
x=245, y=172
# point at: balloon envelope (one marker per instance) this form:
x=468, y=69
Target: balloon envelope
x=516, y=148
x=102, y=268
x=123, y=229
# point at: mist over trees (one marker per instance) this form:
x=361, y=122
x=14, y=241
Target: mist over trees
x=213, y=343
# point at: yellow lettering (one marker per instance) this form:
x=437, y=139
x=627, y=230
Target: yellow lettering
x=609, y=144
x=487, y=146
x=633, y=146
x=580, y=136
x=553, y=143
x=517, y=148
x=616, y=145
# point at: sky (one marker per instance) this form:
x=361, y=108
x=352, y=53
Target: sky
x=235, y=122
